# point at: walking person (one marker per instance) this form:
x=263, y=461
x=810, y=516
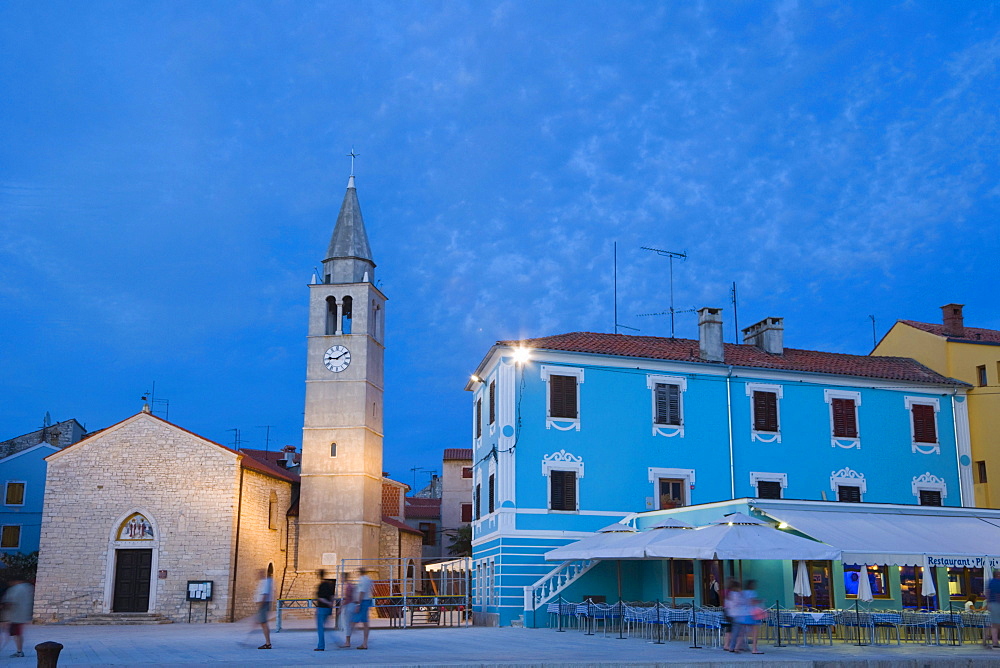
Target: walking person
x=346, y=613
x=263, y=598
x=992, y=595
x=363, y=598
x=733, y=611
x=324, y=607
x=18, y=603
x=755, y=613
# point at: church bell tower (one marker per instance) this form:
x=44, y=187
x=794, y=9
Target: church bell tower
x=340, y=506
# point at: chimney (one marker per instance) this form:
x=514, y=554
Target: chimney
x=954, y=323
x=710, y=334
x=768, y=335
x=288, y=457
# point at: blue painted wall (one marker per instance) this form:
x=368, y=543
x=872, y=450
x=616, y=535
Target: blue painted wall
x=27, y=466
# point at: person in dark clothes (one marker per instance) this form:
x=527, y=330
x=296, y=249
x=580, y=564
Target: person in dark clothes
x=324, y=607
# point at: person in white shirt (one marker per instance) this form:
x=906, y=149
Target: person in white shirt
x=263, y=597
x=363, y=597
x=18, y=603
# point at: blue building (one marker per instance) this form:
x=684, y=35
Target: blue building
x=576, y=431
x=22, y=473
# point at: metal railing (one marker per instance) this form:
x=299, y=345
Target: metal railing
x=402, y=611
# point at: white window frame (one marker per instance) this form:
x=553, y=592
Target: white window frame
x=929, y=482
x=759, y=476
x=655, y=473
x=562, y=424
x=561, y=461
x=924, y=448
x=668, y=430
x=765, y=436
x=848, y=477
x=24, y=493
x=20, y=536
x=841, y=442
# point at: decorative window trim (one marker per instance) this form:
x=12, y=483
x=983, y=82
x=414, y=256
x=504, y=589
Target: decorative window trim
x=562, y=424
x=765, y=436
x=667, y=430
x=758, y=476
x=840, y=442
x=687, y=475
x=562, y=461
x=24, y=493
x=849, y=478
x=929, y=482
x=921, y=447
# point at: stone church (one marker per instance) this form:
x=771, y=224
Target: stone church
x=124, y=532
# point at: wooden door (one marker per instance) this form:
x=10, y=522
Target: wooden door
x=132, y=573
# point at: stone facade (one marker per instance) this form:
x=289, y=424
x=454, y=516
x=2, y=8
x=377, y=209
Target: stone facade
x=187, y=488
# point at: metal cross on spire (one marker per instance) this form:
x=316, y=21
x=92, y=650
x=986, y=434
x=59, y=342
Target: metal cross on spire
x=352, y=155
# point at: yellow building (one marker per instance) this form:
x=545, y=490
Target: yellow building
x=969, y=354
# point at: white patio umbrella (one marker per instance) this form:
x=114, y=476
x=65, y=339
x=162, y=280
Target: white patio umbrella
x=927, y=583
x=802, y=587
x=739, y=536
x=594, y=546
x=633, y=545
x=864, y=585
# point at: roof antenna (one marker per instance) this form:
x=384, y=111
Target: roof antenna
x=874, y=338
x=617, y=325
x=736, y=317
x=670, y=255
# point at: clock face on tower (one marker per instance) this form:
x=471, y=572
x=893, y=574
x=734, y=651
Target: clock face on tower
x=337, y=358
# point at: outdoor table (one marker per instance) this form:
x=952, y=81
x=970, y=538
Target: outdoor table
x=815, y=621
x=886, y=620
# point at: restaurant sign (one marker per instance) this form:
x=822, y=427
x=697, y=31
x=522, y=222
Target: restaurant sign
x=959, y=562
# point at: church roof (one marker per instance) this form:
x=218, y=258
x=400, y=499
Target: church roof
x=349, y=237
x=742, y=355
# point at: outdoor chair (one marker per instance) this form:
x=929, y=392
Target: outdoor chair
x=781, y=620
x=919, y=625
x=816, y=623
x=856, y=625
x=711, y=622
x=975, y=624
x=885, y=623
x=634, y=617
x=951, y=622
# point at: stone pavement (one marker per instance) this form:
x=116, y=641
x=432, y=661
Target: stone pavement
x=225, y=645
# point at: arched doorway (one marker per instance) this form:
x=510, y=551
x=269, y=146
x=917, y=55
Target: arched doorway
x=132, y=564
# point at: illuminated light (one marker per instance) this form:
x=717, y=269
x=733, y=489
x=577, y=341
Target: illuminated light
x=475, y=379
x=782, y=525
x=521, y=355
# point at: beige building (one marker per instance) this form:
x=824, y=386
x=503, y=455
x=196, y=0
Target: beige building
x=138, y=510
x=969, y=354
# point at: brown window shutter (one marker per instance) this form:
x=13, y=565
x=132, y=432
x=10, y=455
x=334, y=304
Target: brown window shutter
x=668, y=404
x=466, y=512
x=492, y=493
x=768, y=489
x=479, y=417
x=493, y=401
x=924, y=430
x=930, y=497
x=848, y=494
x=845, y=424
x=562, y=490
x=765, y=411
x=562, y=397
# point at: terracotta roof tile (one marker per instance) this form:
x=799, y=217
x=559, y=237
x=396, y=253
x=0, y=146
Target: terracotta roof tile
x=458, y=453
x=400, y=525
x=972, y=334
x=266, y=462
x=742, y=355
x=418, y=508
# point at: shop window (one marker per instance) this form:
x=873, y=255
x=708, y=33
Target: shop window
x=819, y=581
x=964, y=581
x=682, y=578
x=876, y=578
x=911, y=584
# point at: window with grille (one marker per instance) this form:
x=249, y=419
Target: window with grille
x=563, y=397
x=845, y=418
x=668, y=404
x=466, y=512
x=849, y=493
x=10, y=537
x=765, y=411
x=493, y=401
x=479, y=417
x=768, y=489
x=15, y=494
x=924, y=428
x=492, y=493
x=930, y=497
x=562, y=490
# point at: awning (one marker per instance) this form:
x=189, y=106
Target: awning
x=899, y=538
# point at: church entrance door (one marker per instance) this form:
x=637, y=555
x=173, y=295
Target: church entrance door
x=132, y=572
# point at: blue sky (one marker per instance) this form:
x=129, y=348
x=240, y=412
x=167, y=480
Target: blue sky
x=170, y=173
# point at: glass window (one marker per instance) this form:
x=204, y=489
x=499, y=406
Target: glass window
x=981, y=375
x=15, y=494
x=682, y=578
x=671, y=493
x=876, y=578
x=964, y=581
x=819, y=582
x=910, y=585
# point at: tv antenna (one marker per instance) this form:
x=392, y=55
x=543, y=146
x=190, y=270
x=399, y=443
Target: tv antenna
x=617, y=325
x=670, y=255
x=236, y=438
x=874, y=337
x=671, y=312
x=150, y=398
x=267, y=435
x=736, y=317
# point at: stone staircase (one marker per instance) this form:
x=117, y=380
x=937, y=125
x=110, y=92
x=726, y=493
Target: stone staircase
x=120, y=619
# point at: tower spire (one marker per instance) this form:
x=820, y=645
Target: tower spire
x=349, y=257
